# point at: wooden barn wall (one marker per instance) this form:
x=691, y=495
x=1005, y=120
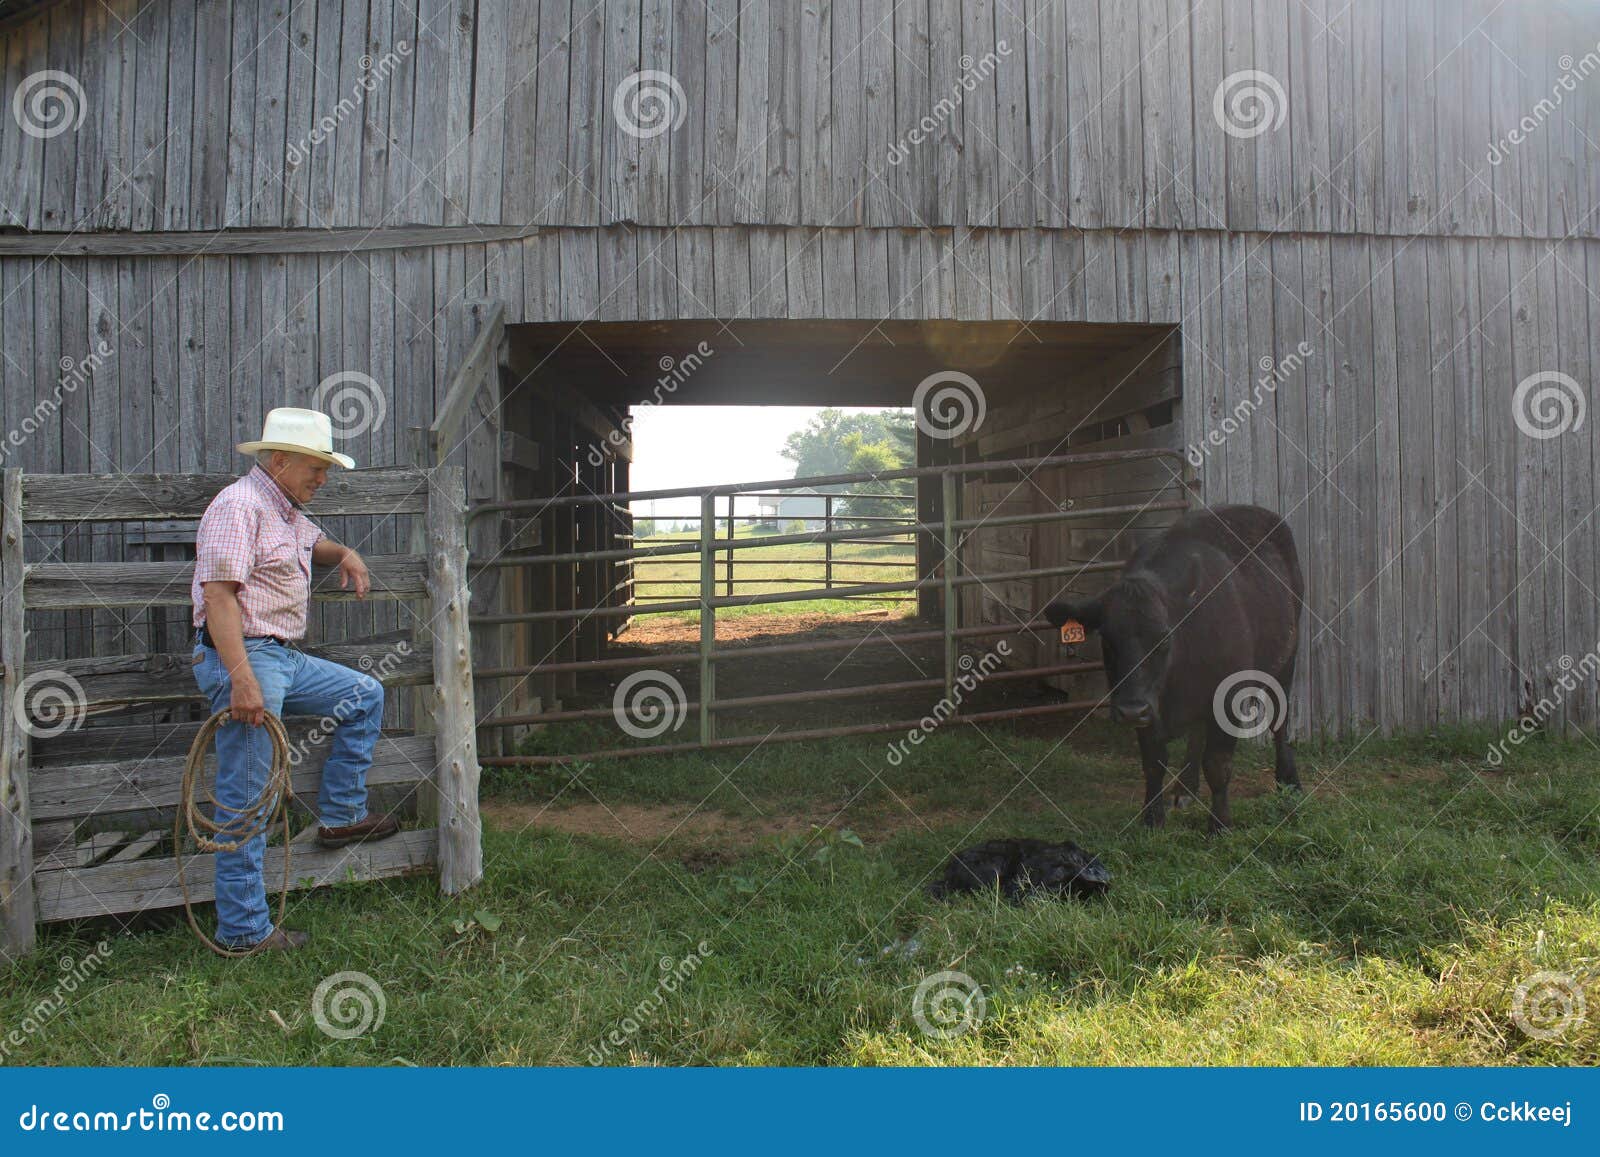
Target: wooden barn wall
x=1451, y=558
x=210, y=114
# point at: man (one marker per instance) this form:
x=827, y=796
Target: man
x=252, y=585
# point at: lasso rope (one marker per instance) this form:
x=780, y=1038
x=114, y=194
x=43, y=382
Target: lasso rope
x=247, y=823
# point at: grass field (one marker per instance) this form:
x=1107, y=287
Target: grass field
x=680, y=575
x=1389, y=918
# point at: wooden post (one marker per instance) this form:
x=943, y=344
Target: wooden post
x=17, y=909
x=947, y=541
x=708, y=616
x=731, y=524
x=455, y=773
x=930, y=452
x=827, y=543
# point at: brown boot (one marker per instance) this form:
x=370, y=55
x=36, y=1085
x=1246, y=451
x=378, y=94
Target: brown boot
x=282, y=940
x=372, y=828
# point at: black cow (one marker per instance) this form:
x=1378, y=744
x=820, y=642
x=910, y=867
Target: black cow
x=1199, y=638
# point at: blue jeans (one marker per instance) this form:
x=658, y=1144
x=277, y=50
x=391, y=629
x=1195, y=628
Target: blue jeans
x=292, y=683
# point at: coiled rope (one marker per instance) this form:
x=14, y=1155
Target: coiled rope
x=246, y=823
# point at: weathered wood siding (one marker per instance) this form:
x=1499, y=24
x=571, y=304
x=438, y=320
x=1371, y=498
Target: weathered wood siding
x=1449, y=554
x=1083, y=177
x=206, y=114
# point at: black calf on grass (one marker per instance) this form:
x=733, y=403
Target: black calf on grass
x=1199, y=638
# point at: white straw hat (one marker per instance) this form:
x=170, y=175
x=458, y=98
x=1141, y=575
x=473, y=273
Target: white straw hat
x=299, y=432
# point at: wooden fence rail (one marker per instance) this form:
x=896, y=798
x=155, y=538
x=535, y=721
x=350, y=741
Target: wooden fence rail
x=85, y=811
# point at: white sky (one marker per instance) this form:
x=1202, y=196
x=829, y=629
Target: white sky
x=703, y=445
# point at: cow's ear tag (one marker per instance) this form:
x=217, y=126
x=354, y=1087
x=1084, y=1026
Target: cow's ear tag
x=1072, y=631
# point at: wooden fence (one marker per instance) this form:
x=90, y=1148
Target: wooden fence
x=86, y=810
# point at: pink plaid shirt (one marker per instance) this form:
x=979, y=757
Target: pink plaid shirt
x=253, y=535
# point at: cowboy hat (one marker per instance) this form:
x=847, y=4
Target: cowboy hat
x=299, y=432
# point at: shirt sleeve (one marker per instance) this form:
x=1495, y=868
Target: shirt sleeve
x=225, y=543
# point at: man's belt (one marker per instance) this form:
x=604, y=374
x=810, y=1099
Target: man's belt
x=205, y=637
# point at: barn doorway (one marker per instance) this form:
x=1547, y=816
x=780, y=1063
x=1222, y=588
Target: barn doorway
x=1054, y=445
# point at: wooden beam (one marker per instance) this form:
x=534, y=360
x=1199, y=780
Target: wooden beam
x=73, y=791
x=115, y=681
x=247, y=242
x=144, y=885
x=481, y=360
x=142, y=497
x=518, y=452
x=99, y=585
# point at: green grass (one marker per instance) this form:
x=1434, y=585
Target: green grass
x=680, y=575
x=1386, y=919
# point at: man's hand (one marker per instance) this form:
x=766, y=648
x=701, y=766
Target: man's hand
x=353, y=570
x=245, y=704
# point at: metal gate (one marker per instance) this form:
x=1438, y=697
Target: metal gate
x=944, y=574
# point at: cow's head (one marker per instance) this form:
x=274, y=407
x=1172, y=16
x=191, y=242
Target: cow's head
x=1135, y=632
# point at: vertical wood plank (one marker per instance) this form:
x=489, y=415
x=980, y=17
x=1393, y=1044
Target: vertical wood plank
x=655, y=151
x=621, y=149
x=1419, y=531
x=1121, y=115
x=947, y=145
x=783, y=116
x=978, y=118
x=1387, y=507
x=721, y=133
x=1492, y=396
x=750, y=175
x=687, y=203
x=491, y=77
x=1210, y=180
x=1015, y=178
x=1444, y=351
x=1310, y=39
x=17, y=910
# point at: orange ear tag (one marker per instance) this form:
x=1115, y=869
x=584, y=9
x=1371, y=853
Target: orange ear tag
x=1072, y=631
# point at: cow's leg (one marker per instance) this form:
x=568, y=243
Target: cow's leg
x=1187, y=789
x=1284, y=770
x=1219, y=770
x=1153, y=754
x=1283, y=767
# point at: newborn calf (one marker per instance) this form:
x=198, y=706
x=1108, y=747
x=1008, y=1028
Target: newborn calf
x=1020, y=868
